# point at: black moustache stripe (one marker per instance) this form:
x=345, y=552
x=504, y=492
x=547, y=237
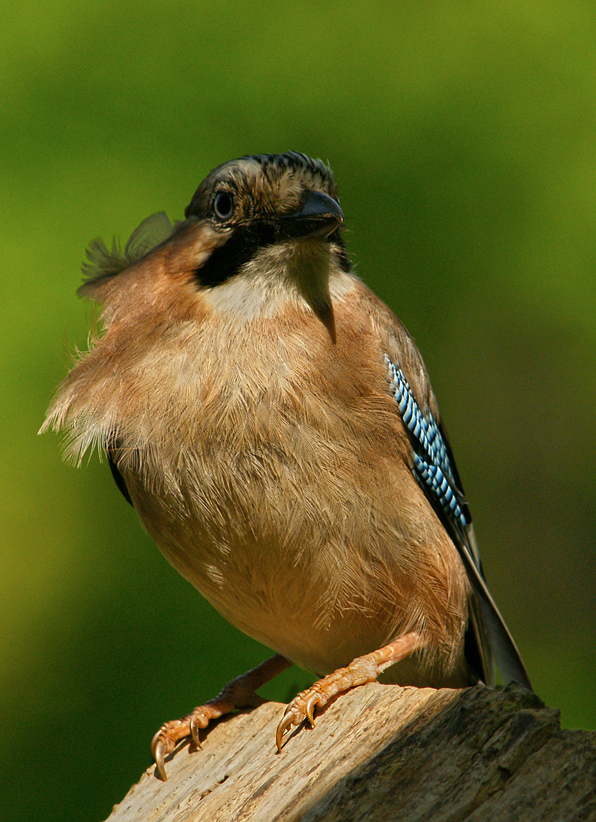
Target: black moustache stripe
x=240, y=248
x=227, y=260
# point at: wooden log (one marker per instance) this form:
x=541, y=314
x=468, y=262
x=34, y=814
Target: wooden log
x=382, y=753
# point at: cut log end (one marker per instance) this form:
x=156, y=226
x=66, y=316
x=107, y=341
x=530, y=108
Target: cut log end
x=381, y=753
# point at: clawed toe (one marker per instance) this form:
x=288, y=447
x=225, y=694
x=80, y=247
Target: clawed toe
x=287, y=721
x=159, y=752
x=168, y=736
x=239, y=693
x=311, y=704
x=164, y=742
x=300, y=708
x=361, y=670
x=195, y=727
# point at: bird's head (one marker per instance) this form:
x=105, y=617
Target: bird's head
x=258, y=230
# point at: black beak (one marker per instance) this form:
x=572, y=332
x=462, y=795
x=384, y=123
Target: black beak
x=319, y=216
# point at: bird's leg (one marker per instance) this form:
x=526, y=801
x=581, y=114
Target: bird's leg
x=239, y=693
x=360, y=671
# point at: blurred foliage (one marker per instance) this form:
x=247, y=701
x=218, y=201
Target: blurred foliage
x=463, y=140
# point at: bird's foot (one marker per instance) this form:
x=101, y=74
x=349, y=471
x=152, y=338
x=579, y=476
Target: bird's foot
x=239, y=693
x=170, y=733
x=360, y=671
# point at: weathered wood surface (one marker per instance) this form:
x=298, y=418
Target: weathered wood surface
x=382, y=753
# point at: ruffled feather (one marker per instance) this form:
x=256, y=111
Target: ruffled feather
x=103, y=263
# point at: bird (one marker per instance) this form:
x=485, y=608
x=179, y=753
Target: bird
x=273, y=425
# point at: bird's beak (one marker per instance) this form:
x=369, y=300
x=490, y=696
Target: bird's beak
x=318, y=216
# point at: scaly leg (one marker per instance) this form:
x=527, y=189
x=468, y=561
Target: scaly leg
x=360, y=671
x=239, y=693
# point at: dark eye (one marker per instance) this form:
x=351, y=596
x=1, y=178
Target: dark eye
x=223, y=205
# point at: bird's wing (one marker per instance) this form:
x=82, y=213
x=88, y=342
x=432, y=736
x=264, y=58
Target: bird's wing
x=118, y=478
x=435, y=470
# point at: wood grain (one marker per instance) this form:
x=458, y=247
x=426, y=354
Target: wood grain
x=382, y=753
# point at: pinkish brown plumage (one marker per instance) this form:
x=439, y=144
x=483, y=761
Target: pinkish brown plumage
x=241, y=391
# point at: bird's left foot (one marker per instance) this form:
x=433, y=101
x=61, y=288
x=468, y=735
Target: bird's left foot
x=239, y=693
x=360, y=671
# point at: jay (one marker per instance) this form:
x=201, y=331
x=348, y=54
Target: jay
x=272, y=423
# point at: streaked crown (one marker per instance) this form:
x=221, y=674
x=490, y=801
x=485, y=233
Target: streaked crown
x=261, y=185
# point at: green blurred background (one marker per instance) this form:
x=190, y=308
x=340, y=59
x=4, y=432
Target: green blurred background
x=463, y=138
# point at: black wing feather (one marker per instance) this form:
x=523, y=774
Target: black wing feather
x=436, y=472
x=119, y=479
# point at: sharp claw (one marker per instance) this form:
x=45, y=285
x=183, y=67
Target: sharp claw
x=286, y=722
x=194, y=732
x=289, y=718
x=158, y=750
x=279, y=737
x=309, y=709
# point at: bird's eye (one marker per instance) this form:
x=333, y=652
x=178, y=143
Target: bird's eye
x=223, y=205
